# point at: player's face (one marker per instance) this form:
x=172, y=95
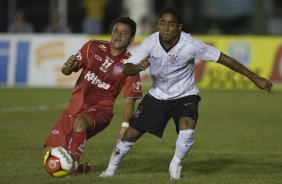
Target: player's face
x=168, y=26
x=121, y=36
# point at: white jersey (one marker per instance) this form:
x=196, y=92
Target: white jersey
x=172, y=71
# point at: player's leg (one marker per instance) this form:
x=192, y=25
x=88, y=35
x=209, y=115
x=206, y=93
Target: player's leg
x=79, y=135
x=86, y=126
x=186, y=120
x=77, y=142
x=59, y=133
x=130, y=136
x=185, y=138
x=184, y=144
x=142, y=121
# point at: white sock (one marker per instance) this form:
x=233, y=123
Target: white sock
x=183, y=145
x=120, y=150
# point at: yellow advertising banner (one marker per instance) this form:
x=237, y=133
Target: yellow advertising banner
x=261, y=54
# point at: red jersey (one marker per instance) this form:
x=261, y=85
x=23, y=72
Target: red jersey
x=101, y=79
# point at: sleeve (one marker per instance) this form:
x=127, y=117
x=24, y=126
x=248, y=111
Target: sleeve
x=83, y=55
x=132, y=87
x=141, y=52
x=203, y=51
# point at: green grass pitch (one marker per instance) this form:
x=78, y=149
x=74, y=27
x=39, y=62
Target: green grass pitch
x=237, y=140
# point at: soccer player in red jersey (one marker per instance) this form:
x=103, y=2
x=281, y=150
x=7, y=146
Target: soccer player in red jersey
x=101, y=80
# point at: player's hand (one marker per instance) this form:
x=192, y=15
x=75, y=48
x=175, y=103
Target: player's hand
x=69, y=65
x=71, y=62
x=262, y=83
x=144, y=64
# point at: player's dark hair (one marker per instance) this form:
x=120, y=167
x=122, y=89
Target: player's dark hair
x=174, y=12
x=128, y=21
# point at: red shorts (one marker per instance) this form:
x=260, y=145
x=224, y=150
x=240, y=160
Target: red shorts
x=62, y=131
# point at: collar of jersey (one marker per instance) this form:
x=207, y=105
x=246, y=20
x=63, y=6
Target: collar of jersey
x=168, y=49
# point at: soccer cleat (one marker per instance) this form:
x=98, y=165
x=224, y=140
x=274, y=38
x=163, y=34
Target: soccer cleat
x=105, y=175
x=174, y=173
x=82, y=169
x=109, y=172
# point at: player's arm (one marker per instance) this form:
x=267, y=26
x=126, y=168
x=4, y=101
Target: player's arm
x=69, y=65
x=129, y=106
x=233, y=64
x=131, y=69
x=139, y=60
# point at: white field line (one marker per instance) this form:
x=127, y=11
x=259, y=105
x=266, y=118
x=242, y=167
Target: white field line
x=42, y=107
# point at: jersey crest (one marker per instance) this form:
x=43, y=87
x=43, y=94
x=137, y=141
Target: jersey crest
x=117, y=69
x=173, y=58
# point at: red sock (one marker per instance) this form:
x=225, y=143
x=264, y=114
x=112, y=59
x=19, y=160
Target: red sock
x=76, y=144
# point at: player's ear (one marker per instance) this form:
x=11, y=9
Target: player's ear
x=180, y=27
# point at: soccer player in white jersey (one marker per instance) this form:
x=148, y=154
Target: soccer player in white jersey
x=173, y=93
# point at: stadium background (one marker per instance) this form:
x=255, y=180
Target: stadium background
x=249, y=31
x=239, y=131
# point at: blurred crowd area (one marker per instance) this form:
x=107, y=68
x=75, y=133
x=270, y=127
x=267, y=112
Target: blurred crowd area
x=259, y=17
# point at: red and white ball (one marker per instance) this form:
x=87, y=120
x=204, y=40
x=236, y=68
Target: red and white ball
x=58, y=162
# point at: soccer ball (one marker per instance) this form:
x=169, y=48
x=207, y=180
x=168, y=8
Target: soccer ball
x=58, y=162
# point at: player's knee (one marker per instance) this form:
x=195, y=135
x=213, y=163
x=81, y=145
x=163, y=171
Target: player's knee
x=187, y=123
x=131, y=135
x=82, y=124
